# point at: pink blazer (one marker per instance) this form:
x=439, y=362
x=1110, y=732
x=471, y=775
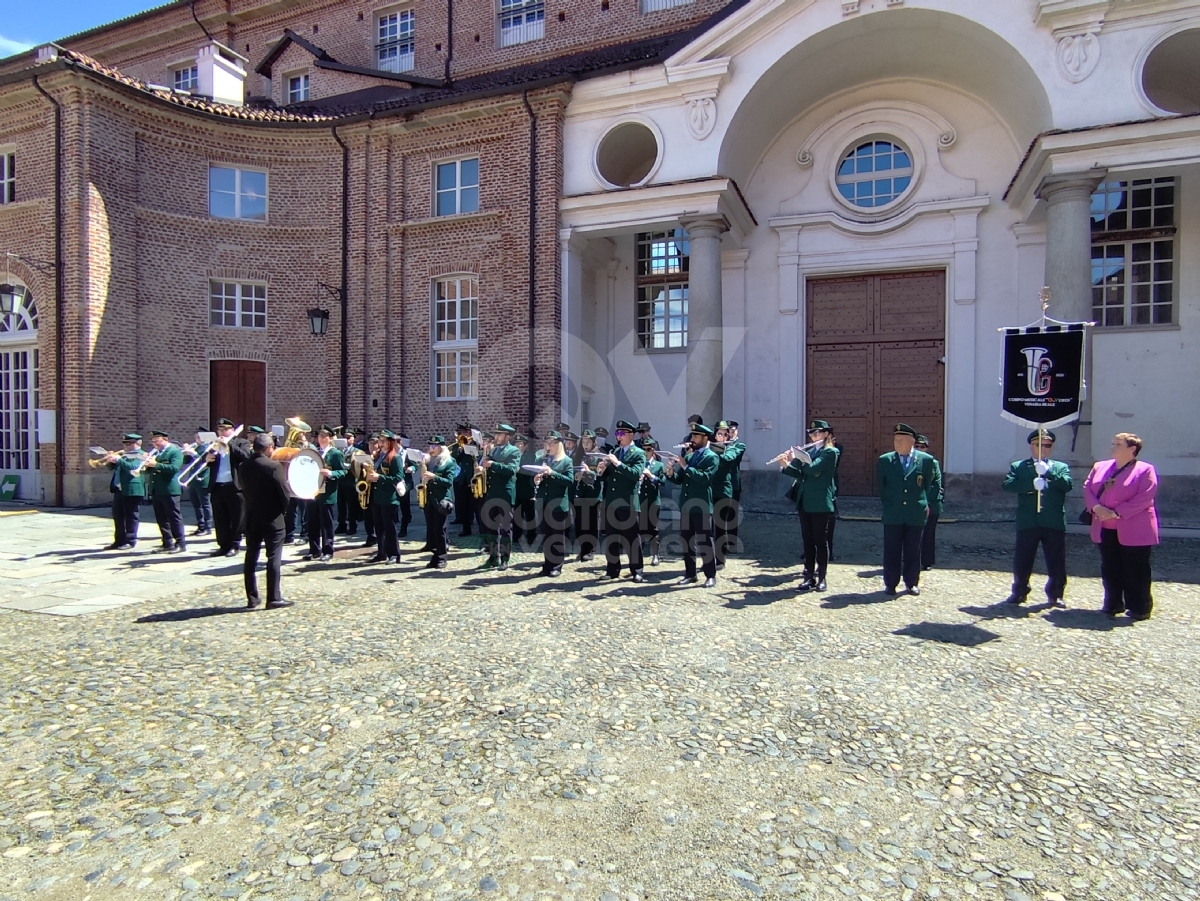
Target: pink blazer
x=1131, y=496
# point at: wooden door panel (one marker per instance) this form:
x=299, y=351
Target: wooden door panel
x=840, y=308
x=909, y=379
x=238, y=391
x=841, y=389
x=254, y=392
x=910, y=304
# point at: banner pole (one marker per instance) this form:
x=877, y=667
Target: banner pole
x=1039, y=475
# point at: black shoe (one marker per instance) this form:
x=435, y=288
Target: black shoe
x=503, y=563
x=440, y=564
x=163, y=549
x=1057, y=602
x=391, y=559
x=111, y=547
x=178, y=549
x=721, y=565
x=280, y=604
x=252, y=603
x=915, y=591
x=654, y=561
x=490, y=563
x=403, y=533
x=307, y=557
x=426, y=549
x=340, y=530
x=688, y=580
x=638, y=577
x=1113, y=611
x=371, y=542
x=122, y=547
x=1138, y=617
x=821, y=586
x=376, y=559
x=806, y=583
x=325, y=558
x=586, y=558
x=555, y=572
x=710, y=583
x=890, y=590
x=1015, y=598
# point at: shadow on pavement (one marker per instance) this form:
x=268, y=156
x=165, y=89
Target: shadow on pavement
x=842, y=601
x=1003, y=610
x=180, y=616
x=963, y=635
x=1088, y=620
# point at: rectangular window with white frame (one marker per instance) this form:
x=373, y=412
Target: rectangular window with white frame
x=237, y=193
x=1134, y=253
x=396, y=47
x=662, y=290
x=521, y=21
x=237, y=305
x=8, y=176
x=651, y=6
x=298, y=88
x=456, y=187
x=185, y=78
x=456, y=338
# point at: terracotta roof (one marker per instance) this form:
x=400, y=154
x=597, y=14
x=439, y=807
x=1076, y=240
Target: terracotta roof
x=323, y=60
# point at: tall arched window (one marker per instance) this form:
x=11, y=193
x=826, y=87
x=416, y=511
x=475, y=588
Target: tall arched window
x=24, y=317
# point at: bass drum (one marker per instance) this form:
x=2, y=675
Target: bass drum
x=303, y=473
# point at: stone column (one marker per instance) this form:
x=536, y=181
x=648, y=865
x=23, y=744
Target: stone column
x=1069, y=243
x=705, y=354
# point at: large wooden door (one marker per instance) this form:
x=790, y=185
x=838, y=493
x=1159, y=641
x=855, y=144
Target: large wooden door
x=238, y=391
x=875, y=349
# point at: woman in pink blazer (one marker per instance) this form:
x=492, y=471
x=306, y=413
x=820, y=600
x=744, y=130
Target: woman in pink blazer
x=1120, y=495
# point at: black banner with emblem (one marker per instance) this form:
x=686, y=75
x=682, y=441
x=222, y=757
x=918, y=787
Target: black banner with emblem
x=1042, y=380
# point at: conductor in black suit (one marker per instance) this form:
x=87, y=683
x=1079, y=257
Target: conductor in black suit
x=266, y=498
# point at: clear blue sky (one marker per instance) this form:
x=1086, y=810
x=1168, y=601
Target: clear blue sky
x=27, y=23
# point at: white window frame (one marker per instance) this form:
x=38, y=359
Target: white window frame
x=459, y=187
x=185, y=77
x=8, y=175
x=520, y=21
x=237, y=310
x=395, y=52
x=653, y=6
x=238, y=193
x=669, y=275
x=455, y=354
x=1134, y=277
x=872, y=177
x=298, y=93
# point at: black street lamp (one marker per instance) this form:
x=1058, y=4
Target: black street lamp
x=318, y=319
x=8, y=298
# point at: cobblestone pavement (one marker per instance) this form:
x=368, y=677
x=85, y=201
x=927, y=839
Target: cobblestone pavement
x=452, y=735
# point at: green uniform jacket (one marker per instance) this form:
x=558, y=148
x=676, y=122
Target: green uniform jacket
x=336, y=464
x=938, y=501
x=1054, y=498
x=502, y=474
x=383, y=492
x=129, y=484
x=203, y=478
x=739, y=449
x=553, y=492
x=621, y=482
x=906, y=497
x=697, y=480
x=651, y=488
x=525, y=486
x=815, y=487
x=437, y=488
x=164, y=477
x=466, y=466
x=727, y=465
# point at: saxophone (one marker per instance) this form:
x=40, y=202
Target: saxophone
x=479, y=480
x=422, y=488
x=363, y=485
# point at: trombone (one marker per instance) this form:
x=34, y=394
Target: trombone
x=803, y=453
x=188, y=474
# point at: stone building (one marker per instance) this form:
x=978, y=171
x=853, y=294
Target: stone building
x=770, y=210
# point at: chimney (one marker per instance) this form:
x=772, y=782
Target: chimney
x=47, y=53
x=220, y=74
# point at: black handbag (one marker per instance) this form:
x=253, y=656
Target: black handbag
x=793, y=493
x=1085, y=516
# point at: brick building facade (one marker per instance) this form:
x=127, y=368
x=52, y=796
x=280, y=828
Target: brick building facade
x=169, y=259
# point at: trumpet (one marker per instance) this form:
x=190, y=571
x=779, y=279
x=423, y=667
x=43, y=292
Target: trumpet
x=803, y=453
x=141, y=467
x=106, y=456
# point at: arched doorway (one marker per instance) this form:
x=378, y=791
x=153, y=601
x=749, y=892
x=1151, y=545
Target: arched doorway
x=19, y=454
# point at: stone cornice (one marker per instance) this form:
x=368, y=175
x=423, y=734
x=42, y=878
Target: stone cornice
x=613, y=212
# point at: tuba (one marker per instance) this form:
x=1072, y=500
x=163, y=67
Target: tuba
x=295, y=440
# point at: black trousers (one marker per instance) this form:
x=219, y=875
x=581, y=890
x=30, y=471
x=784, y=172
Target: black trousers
x=814, y=529
x=648, y=525
x=832, y=526
x=902, y=555
x=126, y=513
x=736, y=546
x=201, y=499
x=169, y=517
x=272, y=540
x=929, y=542
x=1054, y=550
x=406, y=509
x=319, y=516
x=587, y=526
x=384, y=518
x=621, y=536
x=554, y=527
x=696, y=530
x=293, y=518
x=725, y=516
x=496, y=526
x=1125, y=572
x=227, y=515
x=348, y=510
x=437, y=530
x=525, y=525
x=464, y=507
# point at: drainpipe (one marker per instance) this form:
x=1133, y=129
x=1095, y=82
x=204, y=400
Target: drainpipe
x=345, y=268
x=60, y=392
x=532, y=260
x=449, y=37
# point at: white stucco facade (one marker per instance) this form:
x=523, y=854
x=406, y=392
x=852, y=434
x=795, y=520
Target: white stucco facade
x=1012, y=112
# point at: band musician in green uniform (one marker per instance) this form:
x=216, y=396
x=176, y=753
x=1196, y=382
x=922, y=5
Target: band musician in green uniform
x=695, y=471
x=553, y=487
x=814, y=493
x=322, y=509
x=906, y=479
x=163, y=470
x=438, y=481
x=128, y=491
x=621, y=472
x=650, y=492
x=501, y=463
x=1041, y=486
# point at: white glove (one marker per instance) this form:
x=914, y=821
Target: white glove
x=1039, y=484
x=1041, y=466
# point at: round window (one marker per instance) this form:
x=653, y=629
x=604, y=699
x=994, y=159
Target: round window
x=874, y=173
x=1170, y=78
x=627, y=155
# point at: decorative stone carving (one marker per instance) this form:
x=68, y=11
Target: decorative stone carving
x=805, y=158
x=701, y=116
x=1077, y=56
x=849, y=7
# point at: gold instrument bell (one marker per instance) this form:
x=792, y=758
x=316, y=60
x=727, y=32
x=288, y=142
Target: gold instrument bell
x=297, y=428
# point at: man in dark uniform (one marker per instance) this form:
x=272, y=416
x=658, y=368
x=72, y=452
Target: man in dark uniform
x=907, y=479
x=163, y=471
x=128, y=492
x=1040, y=520
x=586, y=504
x=464, y=503
x=602, y=442
x=321, y=509
x=553, y=503
x=643, y=431
x=439, y=480
x=735, y=446
x=409, y=488
x=524, y=514
x=223, y=462
x=369, y=445
x=198, y=490
x=621, y=472
x=650, y=493
x=724, y=511
x=266, y=497
x=347, y=505
x=936, y=503
x=695, y=471
x=502, y=463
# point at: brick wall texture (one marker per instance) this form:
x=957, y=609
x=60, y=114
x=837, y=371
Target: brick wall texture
x=140, y=249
